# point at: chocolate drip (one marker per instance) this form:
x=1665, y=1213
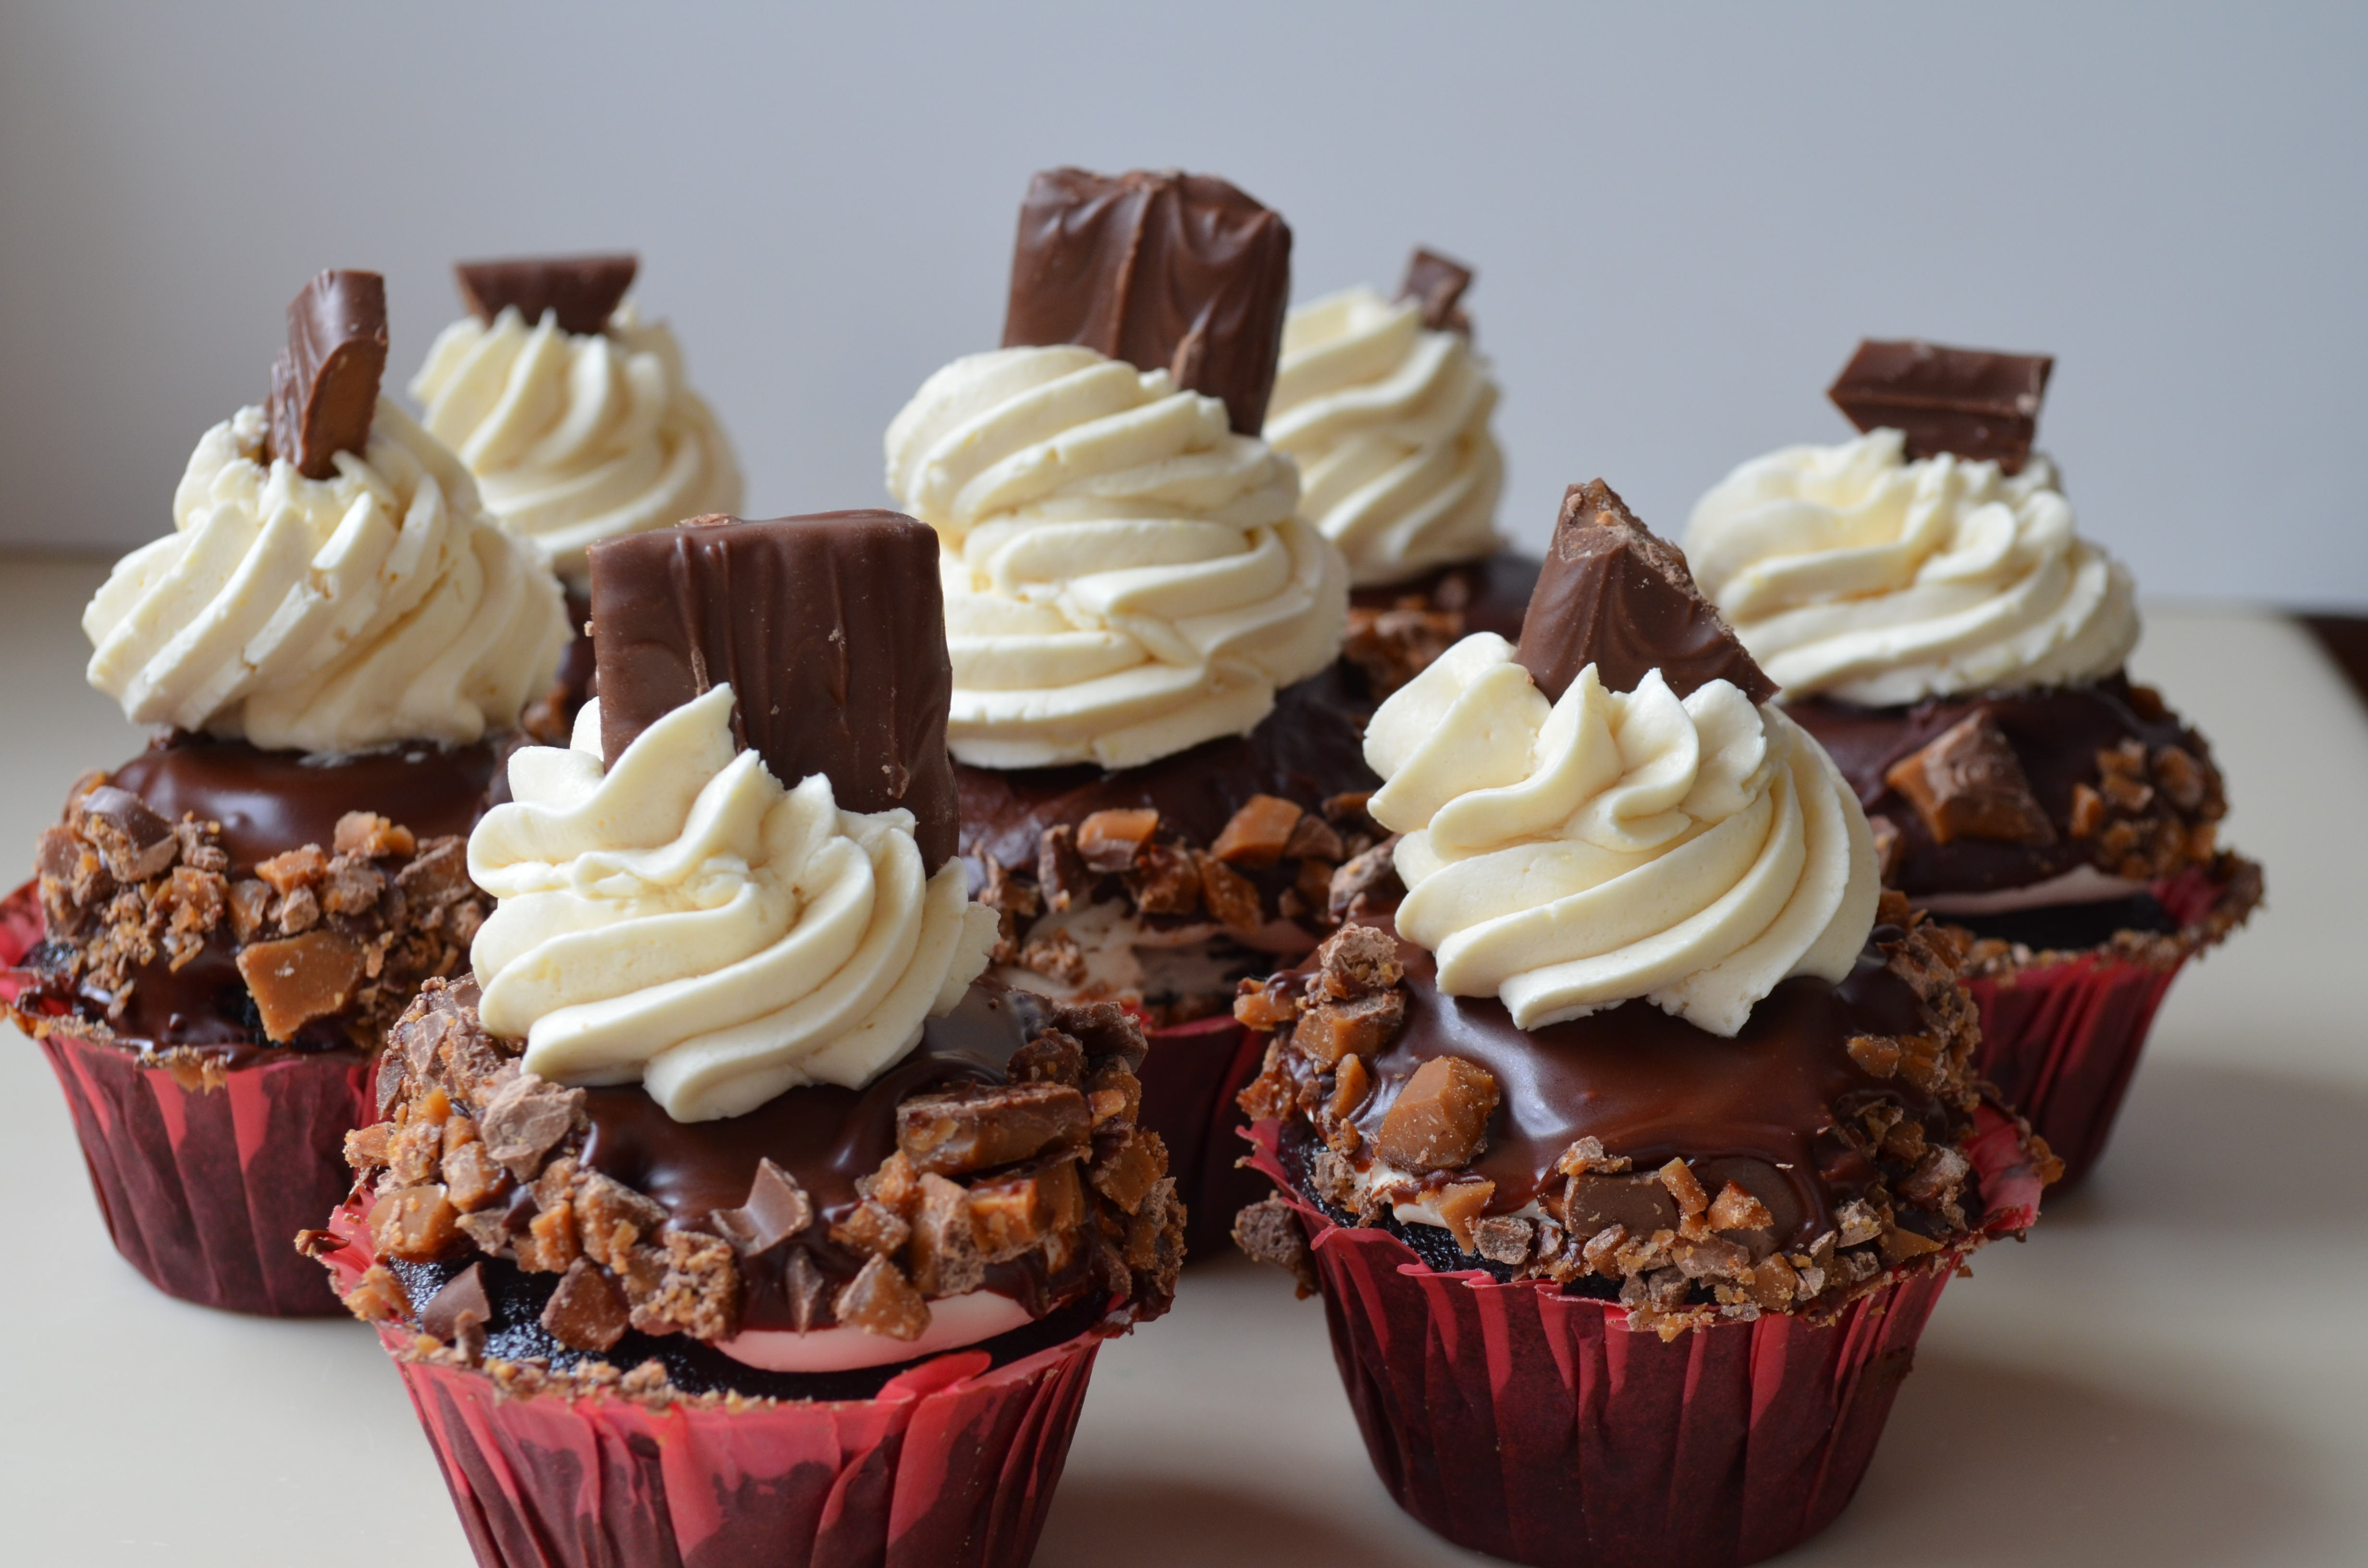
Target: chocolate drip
x=324, y=383
x=1614, y=595
x=582, y=291
x=1973, y=403
x=1168, y=271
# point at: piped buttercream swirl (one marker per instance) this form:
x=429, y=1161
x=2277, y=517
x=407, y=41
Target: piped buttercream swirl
x=1853, y=572
x=327, y=615
x=1570, y=856
x=683, y=920
x=1389, y=422
x=577, y=438
x=1124, y=576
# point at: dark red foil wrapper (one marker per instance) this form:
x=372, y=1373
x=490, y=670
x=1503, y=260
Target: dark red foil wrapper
x=1537, y=1428
x=204, y=1188
x=1189, y=1081
x=2061, y=1040
x=951, y=1465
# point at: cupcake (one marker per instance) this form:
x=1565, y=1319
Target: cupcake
x=334, y=645
x=1385, y=405
x=575, y=418
x=1936, y=622
x=1633, y=1150
x=1158, y=761
x=723, y=1178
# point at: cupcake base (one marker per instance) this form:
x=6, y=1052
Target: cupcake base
x=1537, y=1427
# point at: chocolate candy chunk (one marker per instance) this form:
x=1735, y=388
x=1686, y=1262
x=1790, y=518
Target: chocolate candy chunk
x=778, y=1208
x=587, y=1312
x=830, y=630
x=298, y=979
x=970, y=1130
x=1616, y=595
x=133, y=842
x=581, y=290
x=1440, y=1121
x=462, y=1299
x=324, y=383
x=1439, y=284
x=1168, y=271
x=1968, y=783
x=1971, y=402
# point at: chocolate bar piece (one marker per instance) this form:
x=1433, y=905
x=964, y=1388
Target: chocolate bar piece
x=1968, y=783
x=1437, y=284
x=830, y=630
x=1971, y=402
x=324, y=383
x=1168, y=271
x=1616, y=596
x=582, y=291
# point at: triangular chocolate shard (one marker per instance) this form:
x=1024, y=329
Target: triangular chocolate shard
x=1975, y=403
x=830, y=630
x=324, y=383
x=1438, y=285
x=778, y=1208
x=1616, y=595
x=1168, y=271
x=582, y=291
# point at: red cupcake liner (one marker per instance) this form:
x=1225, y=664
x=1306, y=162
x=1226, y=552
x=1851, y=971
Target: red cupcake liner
x=2062, y=1036
x=1189, y=1082
x=1537, y=1428
x=204, y=1179
x=951, y=1465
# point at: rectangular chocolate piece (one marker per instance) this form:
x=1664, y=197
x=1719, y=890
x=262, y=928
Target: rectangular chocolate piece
x=1437, y=284
x=1168, y=271
x=1972, y=402
x=830, y=630
x=1614, y=595
x=324, y=383
x=582, y=291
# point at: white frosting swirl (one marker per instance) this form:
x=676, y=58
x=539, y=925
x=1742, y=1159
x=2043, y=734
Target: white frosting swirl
x=1389, y=423
x=327, y=615
x=576, y=439
x=1124, y=576
x=1851, y=572
x=1568, y=857
x=684, y=920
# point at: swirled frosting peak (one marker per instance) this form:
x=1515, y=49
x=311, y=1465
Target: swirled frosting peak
x=1852, y=571
x=684, y=920
x=1570, y=856
x=1124, y=576
x=575, y=437
x=330, y=615
x=1389, y=422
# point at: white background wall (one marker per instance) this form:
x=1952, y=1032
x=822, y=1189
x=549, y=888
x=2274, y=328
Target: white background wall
x=1683, y=218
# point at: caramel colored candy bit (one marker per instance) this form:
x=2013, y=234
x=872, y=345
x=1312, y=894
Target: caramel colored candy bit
x=369, y=1148
x=549, y=1244
x=1461, y=1204
x=1586, y=1155
x=777, y=1208
x=1900, y=1245
x=944, y=1256
x=472, y=1179
x=611, y=1219
x=1113, y=1093
x=325, y=384
x=1053, y=1057
x=2088, y=810
x=298, y=979
x=1330, y=1030
x=1268, y=1232
x=1129, y=1167
x=1014, y=1215
x=895, y=1185
x=1736, y=1210
x=132, y=841
x=1968, y=783
x=1680, y=1179
x=295, y=869
x=417, y=1224
x=1109, y=841
x=1359, y=961
x=697, y=1290
x=871, y=1229
x=1876, y=1055
x=1231, y=897
x=1350, y=1084
x=2184, y=779
x=587, y=1312
x=1857, y=1221
x=1260, y=834
x=1165, y=880
x=1440, y=1120
x=1313, y=839
x=1264, y=1005
x=1892, y=908
x=368, y=834
x=1890, y=846
x=1504, y=1238
x=378, y=1296
x=881, y=1300
x=947, y=1134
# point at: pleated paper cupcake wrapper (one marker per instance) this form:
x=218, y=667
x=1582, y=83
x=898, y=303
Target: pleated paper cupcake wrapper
x=1537, y=1428
x=951, y=1465
x=2061, y=1039
x=204, y=1185
x=1188, y=1083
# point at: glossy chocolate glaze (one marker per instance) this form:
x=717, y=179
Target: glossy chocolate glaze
x=2056, y=734
x=1311, y=746
x=824, y=1137
x=1493, y=592
x=1758, y=1110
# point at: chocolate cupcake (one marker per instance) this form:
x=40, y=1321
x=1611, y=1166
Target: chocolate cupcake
x=334, y=643
x=1936, y=622
x=723, y=1178
x=576, y=419
x=1158, y=753
x=1631, y=1152
x=1385, y=405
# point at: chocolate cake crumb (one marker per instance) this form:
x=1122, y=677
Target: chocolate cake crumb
x=1268, y=1232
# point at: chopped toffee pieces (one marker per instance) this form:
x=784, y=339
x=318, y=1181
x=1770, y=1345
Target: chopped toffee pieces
x=324, y=383
x=1975, y=404
x=298, y=979
x=830, y=630
x=1437, y=284
x=1168, y=271
x=587, y=1312
x=948, y=1134
x=1616, y=595
x=1392, y=646
x=1967, y=782
x=1440, y=1120
x=582, y=291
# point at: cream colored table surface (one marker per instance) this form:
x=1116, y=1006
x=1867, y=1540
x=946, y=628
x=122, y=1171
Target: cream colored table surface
x=2174, y=1370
